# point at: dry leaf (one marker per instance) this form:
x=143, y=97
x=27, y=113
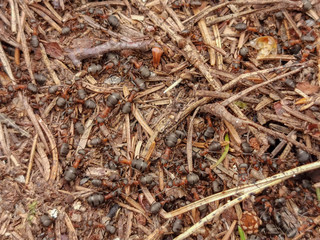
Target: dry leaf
x=278, y=108
x=307, y=88
x=82, y=43
x=54, y=50
x=175, y=192
x=4, y=79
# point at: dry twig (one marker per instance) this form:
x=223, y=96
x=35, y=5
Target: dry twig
x=76, y=55
x=33, y=150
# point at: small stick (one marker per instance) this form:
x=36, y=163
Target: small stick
x=312, y=13
x=72, y=231
x=28, y=231
x=87, y=129
x=21, y=28
x=289, y=121
x=13, y=17
x=127, y=125
x=277, y=57
x=62, y=4
x=54, y=12
x=285, y=24
x=129, y=225
x=76, y=55
x=161, y=177
x=282, y=143
x=228, y=234
x=129, y=7
x=151, y=200
x=97, y=4
x=48, y=65
x=262, y=2
x=91, y=22
x=5, y=37
x=34, y=120
x=3, y=143
x=246, y=91
x=11, y=123
x=136, y=113
x=175, y=18
x=219, y=50
x=33, y=150
x=203, y=13
x=207, y=38
x=292, y=23
x=247, y=75
x=173, y=85
x=158, y=232
x=47, y=110
x=149, y=91
x=316, y=221
x=318, y=57
x=216, y=34
x=25, y=7
x=3, y=18
x=233, y=133
x=189, y=141
x=97, y=89
x=26, y=54
x=224, y=95
x=212, y=198
x=262, y=137
x=47, y=12
x=15, y=234
x=287, y=149
x=213, y=20
x=47, y=18
x=150, y=152
x=136, y=206
x=6, y=64
x=172, y=24
x=188, y=110
x=299, y=115
x=220, y=111
x=302, y=94
x=163, y=123
x=42, y=158
x=55, y=159
x=57, y=229
x=153, y=3
x=265, y=101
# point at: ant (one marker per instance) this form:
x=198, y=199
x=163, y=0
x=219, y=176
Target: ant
x=243, y=172
x=112, y=101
